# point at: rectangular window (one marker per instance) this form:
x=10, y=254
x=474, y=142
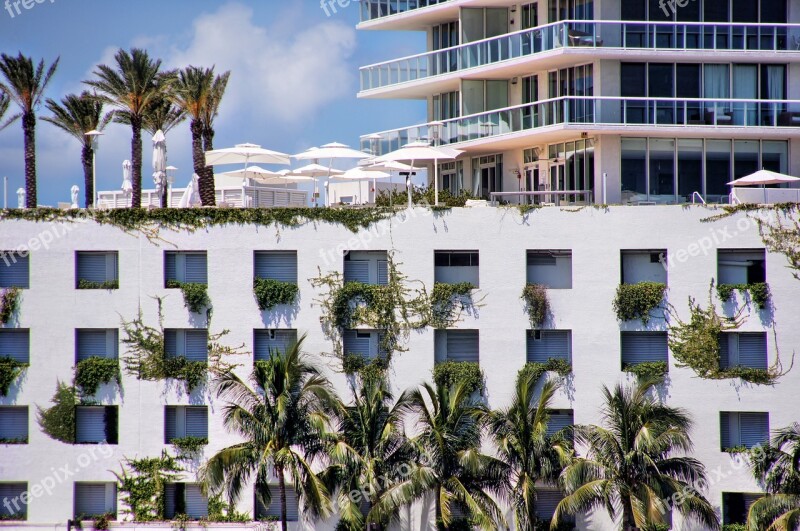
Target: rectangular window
x=186, y=267
x=552, y=269
x=276, y=265
x=560, y=419
x=191, y=344
x=185, y=498
x=266, y=341
x=96, y=343
x=643, y=347
x=97, y=270
x=543, y=345
x=457, y=345
x=366, y=267
x=14, y=270
x=15, y=343
x=547, y=499
x=366, y=343
x=453, y=267
x=93, y=500
x=185, y=421
x=16, y=509
x=644, y=266
x=736, y=505
x=741, y=266
x=96, y=424
x=743, y=429
x=13, y=425
x=743, y=349
x=274, y=509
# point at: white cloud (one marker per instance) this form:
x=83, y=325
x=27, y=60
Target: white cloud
x=286, y=71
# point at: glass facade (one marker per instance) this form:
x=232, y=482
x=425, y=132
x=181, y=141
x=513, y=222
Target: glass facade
x=666, y=170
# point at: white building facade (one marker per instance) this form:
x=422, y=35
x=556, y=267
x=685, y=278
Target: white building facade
x=581, y=256
x=597, y=101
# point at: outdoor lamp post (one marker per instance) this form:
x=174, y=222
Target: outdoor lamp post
x=94, y=137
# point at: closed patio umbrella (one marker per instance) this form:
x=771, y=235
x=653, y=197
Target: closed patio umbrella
x=160, y=166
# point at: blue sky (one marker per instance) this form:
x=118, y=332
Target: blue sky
x=293, y=84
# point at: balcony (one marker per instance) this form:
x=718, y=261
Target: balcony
x=599, y=113
x=377, y=9
x=235, y=197
x=582, y=40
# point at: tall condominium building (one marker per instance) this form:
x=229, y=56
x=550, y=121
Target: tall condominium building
x=604, y=101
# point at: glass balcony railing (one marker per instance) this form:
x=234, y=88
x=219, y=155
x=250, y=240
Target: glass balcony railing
x=582, y=34
x=598, y=111
x=374, y=9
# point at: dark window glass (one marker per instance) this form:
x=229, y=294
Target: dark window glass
x=773, y=11
x=634, y=81
x=716, y=11
x=687, y=80
x=441, y=259
x=661, y=82
x=633, y=10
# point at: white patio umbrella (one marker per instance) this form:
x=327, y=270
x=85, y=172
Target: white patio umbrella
x=127, y=183
x=160, y=165
x=419, y=151
x=191, y=196
x=330, y=152
x=391, y=167
x=314, y=171
x=364, y=174
x=245, y=154
x=763, y=178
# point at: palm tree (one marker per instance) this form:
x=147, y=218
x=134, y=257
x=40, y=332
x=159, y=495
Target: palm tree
x=372, y=452
x=78, y=115
x=192, y=92
x=5, y=101
x=520, y=436
x=283, y=419
x=778, y=469
x=210, y=115
x=132, y=86
x=450, y=421
x=25, y=86
x=630, y=463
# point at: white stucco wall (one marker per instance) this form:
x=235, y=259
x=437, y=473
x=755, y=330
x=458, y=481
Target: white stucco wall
x=52, y=309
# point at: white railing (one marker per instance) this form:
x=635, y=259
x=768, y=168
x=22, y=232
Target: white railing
x=234, y=197
x=765, y=196
x=375, y=9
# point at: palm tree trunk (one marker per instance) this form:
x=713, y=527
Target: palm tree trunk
x=88, y=175
x=438, y=505
x=282, y=489
x=136, y=159
x=199, y=161
x=628, y=522
x=208, y=145
x=29, y=133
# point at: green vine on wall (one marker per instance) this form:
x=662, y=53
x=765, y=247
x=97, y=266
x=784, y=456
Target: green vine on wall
x=141, y=484
x=188, y=447
x=270, y=293
x=537, y=305
x=448, y=302
x=696, y=344
x=394, y=309
x=637, y=301
x=195, y=295
x=366, y=369
x=90, y=284
x=10, y=371
x=448, y=373
x=759, y=293
x=58, y=421
x=95, y=371
x=9, y=304
x=648, y=370
x=558, y=365
x=148, y=359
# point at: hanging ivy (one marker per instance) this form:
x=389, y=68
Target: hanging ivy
x=107, y=285
x=637, y=301
x=448, y=373
x=95, y=371
x=648, y=370
x=220, y=511
x=448, y=302
x=270, y=293
x=10, y=371
x=141, y=484
x=9, y=304
x=558, y=365
x=537, y=304
x=148, y=360
x=149, y=222
x=188, y=447
x=195, y=296
x=759, y=293
x=394, y=309
x=58, y=421
x=366, y=369
x=696, y=344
